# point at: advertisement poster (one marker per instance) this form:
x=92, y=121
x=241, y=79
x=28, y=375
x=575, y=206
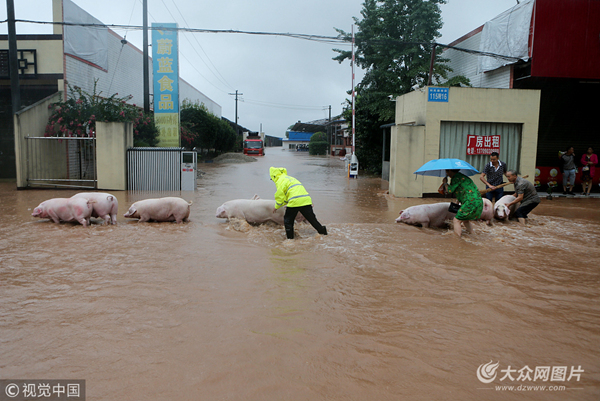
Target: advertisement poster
x=165, y=76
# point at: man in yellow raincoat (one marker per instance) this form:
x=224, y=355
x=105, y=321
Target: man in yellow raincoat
x=291, y=193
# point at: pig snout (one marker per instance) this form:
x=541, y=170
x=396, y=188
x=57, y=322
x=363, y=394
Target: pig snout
x=402, y=216
x=131, y=212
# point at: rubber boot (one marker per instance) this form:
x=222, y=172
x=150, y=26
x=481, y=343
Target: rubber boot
x=324, y=231
x=289, y=233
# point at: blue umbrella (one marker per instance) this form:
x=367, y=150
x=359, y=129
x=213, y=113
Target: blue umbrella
x=438, y=167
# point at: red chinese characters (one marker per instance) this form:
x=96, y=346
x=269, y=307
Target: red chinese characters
x=483, y=145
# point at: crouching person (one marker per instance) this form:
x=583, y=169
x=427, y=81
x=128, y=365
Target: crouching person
x=293, y=195
x=525, y=193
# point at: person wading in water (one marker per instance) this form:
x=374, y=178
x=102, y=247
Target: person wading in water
x=292, y=194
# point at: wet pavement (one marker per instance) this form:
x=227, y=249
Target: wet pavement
x=374, y=311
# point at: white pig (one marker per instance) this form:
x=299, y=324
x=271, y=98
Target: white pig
x=503, y=212
x=430, y=215
x=254, y=211
x=487, y=213
x=65, y=209
x=437, y=214
x=162, y=209
x=105, y=205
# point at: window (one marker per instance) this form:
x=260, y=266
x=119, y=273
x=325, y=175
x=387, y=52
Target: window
x=453, y=142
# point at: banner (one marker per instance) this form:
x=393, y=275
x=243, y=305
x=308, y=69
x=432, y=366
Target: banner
x=165, y=76
x=483, y=145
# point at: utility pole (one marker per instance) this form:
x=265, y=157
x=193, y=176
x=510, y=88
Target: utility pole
x=329, y=130
x=15, y=91
x=431, y=64
x=146, y=73
x=236, y=117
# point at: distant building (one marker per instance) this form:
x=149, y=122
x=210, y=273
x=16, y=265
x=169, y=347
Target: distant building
x=79, y=56
x=297, y=140
x=273, y=141
x=338, y=133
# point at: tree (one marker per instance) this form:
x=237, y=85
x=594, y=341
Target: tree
x=393, y=45
x=206, y=130
x=318, y=144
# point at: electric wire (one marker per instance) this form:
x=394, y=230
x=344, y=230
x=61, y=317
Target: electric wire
x=319, y=38
x=192, y=64
x=280, y=105
x=218, y=73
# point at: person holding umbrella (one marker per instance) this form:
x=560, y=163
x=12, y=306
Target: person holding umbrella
x=464, y=189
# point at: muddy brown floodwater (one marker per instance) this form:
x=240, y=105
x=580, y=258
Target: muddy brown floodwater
x=211, y=310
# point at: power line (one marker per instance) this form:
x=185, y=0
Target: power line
x=281, y=105
x=186, y=59
x=175, y=19
x=218, y=73
x=318, y=38
x=199, y=73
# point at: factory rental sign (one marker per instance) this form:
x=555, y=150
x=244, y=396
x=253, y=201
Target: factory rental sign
x=165, y=77
x=483, y=145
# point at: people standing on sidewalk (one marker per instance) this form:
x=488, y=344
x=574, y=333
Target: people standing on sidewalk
x=569, y=170
x=588, y=169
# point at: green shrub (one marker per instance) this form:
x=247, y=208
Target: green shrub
x=318, y=144
x=318, y=148
x=77, y=116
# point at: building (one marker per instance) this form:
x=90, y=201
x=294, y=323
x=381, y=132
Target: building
x=555, y=48
x=427, y=128
x=80, y=56
x=340, y=136
x=297, y=141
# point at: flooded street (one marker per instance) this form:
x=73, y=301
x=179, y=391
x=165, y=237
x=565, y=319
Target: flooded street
x=211, y=310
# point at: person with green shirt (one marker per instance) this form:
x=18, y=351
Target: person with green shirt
x=292, y=194
x=465, y=190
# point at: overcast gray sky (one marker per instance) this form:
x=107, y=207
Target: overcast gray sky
x=283, y=79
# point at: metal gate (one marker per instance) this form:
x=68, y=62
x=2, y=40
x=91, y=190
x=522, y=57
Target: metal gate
x=154, y=169
x=61, y=162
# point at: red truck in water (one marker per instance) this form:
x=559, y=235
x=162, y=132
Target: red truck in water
x=254, y=144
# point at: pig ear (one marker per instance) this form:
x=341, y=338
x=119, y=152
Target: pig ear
x=401, y=211
x=255, y=197
x=109, y=198
x=507, y=210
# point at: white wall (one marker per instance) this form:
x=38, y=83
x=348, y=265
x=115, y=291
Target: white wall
x=467, y=64
x=125, y=76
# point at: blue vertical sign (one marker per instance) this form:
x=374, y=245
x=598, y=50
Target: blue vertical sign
x=165, y=76
x=435, y=94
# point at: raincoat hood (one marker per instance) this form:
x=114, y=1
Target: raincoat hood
x=275, y=172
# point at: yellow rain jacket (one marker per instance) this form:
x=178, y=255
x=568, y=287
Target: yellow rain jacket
x=290, y=191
